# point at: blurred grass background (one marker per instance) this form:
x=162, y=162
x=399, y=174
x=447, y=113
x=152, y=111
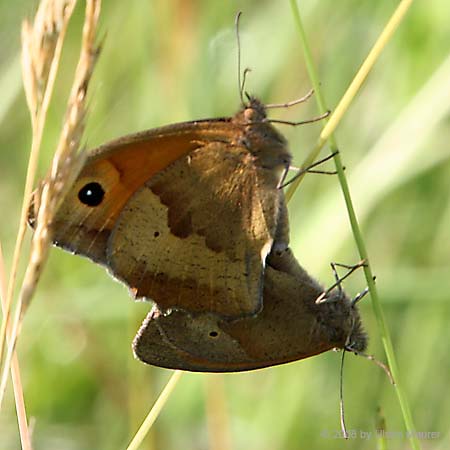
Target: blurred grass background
x=165, y=61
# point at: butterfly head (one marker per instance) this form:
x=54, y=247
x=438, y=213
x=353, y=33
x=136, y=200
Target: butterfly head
x=254, y=111
x=357, y=338
x=344, y=321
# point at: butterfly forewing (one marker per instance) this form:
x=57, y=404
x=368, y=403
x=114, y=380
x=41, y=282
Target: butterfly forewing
x=196, y=236
x=186, y=214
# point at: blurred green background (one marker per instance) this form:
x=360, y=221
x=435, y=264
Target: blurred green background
x=165, y=61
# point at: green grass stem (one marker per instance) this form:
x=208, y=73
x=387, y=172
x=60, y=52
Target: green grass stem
x=327, y=134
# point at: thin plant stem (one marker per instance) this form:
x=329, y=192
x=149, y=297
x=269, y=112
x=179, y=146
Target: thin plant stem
x=24, y=431
x=327, y=133
x=334, y=119
x=155, y=411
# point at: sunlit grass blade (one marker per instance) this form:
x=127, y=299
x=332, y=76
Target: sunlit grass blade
x=155, y=411
x=24, y=431
x=399, y=160
x=327, y=132
x=333, y=121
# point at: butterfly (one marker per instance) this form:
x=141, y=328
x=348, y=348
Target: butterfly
x=185, y=214
x=291, y=326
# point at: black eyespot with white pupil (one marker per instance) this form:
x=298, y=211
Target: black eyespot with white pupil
x=91, y=194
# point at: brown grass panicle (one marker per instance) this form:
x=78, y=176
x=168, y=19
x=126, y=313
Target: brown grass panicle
x=42, y=42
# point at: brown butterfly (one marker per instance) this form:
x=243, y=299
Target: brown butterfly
x=185, y=214
x=291, y=326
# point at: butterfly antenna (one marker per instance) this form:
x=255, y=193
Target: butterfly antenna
x=244, y=79
x=341, y=398
x=238, y=40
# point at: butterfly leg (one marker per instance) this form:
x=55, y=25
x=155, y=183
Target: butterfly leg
x=292, y=102
x=361, y=295
x=350, y=269
x=282, y=183
x=310, y=169
x=301, y=122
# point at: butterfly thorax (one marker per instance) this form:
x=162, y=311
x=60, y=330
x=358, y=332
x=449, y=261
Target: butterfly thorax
x=267, y=146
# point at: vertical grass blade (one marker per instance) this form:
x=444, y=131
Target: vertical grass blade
x=327, y=133
x=155, y=411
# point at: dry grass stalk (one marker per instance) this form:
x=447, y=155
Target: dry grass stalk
x=155, y=411
x=65, y=167
x=42, y=43
x=25, y=434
